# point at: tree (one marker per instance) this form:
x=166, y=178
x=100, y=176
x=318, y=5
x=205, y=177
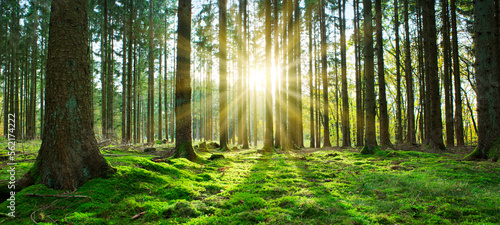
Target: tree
x=487, y=81
x=370, y=138
x=326, y=122
x=459, y=124
x=434, y=136
x=151, y=90
x=346, y=130
x=399, y=127
x=69, y=155
x=448, y=102
x=410, y=133
x=223, y=74
x=382, y=101
x=268, y=139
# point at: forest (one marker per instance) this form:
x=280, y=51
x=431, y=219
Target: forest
x=250, y=112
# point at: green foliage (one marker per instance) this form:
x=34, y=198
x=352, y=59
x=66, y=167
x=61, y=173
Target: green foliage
x=247, y=187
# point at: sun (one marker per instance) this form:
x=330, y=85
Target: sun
x=258, y=77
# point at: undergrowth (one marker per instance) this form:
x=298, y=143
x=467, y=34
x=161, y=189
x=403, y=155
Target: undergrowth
x=246, y=187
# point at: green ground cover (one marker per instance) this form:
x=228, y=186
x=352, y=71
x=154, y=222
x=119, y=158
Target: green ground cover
x=302, y=187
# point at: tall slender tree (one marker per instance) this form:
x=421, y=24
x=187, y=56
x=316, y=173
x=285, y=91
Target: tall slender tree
x=326, y=122
x=399, y=127
x=370, y=135
x=459, y=124
x=346, y=130
x=448, y=96
x=410, y=116
x=434, y=136
x=223, y=74
x=382, y=101
x=268, y=139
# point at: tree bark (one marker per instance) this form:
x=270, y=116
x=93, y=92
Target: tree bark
x=326, y=123
x=370, y=133
x=69, y=155
x=268, y=139
x=459, y=124
x=410, y=115
x=382, y=101
x=434, y=136
x=448, y=102
x=223, y=75
x=487, y=81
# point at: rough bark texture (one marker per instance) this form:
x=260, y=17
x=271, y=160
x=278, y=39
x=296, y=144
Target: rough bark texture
x=382, y=101
x=346, y=127
x=326, y=123
x=434, y=136
x=222, y=75
x=448, y=96
x=410, y=115
x=183, y=142
x=488, y=107
x=370, y=138
x=69, y=155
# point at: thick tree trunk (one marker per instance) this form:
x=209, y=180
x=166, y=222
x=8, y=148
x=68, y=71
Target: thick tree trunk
x=488, y=103
x=183, y=142
x=434, y=136
x=346, y=130
x=69, y=155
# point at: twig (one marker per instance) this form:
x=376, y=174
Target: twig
x=138, y=215
x=31, y=216
x=58, y=196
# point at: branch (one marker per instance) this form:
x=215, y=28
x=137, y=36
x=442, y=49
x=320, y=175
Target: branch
x=58, y=196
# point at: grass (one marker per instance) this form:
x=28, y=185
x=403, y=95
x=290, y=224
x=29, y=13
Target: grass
x=322, y=187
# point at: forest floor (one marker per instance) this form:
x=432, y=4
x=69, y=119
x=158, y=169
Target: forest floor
x=311, y=186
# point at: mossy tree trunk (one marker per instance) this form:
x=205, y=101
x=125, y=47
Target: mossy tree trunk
x=69, y=155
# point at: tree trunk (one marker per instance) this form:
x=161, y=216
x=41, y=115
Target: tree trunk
x=326, y=123
x=223, y=74
x=311, y=87
x=399, y=127
x=370, y=135
x=410, y=115
x=488, y=103
x=129, y=78
x=448, y=102
x=150, y=123
x=277, y=103
x=268, y=139
x=346, y=130
x=434, y=136
x=459, y=124
x=359, y=86
x=382, y=101
x=69, y=155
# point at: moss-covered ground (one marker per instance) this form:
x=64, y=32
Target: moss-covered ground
x=337, y=186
